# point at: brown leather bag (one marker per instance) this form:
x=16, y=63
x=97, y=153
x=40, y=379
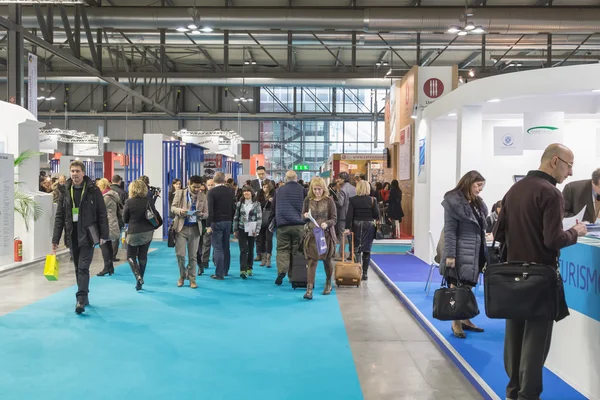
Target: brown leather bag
x=348, y=273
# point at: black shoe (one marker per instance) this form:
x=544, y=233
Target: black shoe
x=116, y=259
x=279, y=280
x=365, y=277
x=243, y=275
x=86, y=302
x=200, y=271
x=106, y=271
x=138, y=286
x=218, y=278
x=79, y=308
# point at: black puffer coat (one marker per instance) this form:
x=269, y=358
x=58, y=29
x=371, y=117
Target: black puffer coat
x=92, y=211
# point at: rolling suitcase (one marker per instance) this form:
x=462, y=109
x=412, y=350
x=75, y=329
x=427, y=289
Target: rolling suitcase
x=298, y=271
x=348, y=273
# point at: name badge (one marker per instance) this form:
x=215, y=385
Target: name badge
x=75, y=214
x=192, y=219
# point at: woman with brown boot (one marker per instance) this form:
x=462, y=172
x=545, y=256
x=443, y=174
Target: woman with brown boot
x=319, y=238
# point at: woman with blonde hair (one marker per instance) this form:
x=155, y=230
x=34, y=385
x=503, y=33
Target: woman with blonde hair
x=363, y=211
x=319, y=239
x=139, y=229
x=114, y=213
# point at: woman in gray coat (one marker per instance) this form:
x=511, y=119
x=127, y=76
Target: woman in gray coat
x=465, y=250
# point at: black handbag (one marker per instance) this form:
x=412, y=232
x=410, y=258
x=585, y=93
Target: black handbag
x=171, y=236
x=266, y=214
x=524, y=291
x=454, y=304
x=154, y=219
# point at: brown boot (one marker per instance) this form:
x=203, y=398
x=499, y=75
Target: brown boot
x=263, y=260
x=193, y=285
x=268, y=261
x=180, y=282
x=327, y=289
x=309, y=291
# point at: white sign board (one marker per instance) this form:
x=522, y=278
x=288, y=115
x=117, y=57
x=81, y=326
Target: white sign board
x=434, y=82
x=32, y=86
x=542, y=129
x=208, y=142
x=404, y=153
x=508, y=140
x=85, y=149
x=48, y=144
x=393, y=114
x=361, y=156
x=101, y=140
x=6, y=208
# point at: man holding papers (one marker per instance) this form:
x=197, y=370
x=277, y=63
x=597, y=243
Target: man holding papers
x=583, y=193
x=190, y=207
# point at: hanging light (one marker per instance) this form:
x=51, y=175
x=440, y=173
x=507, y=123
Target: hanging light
x=207, y=29
x=182, y=29
x=378, y=64
x=192, y=27
x=454, y=29
x=478, y=29
x=385, y=63
x=470, y=26
x=253, y=62
x=471, y=73
x=196, y=32
x=247, y=62
x=41, y=98
x=462, y=33
x=236, y=100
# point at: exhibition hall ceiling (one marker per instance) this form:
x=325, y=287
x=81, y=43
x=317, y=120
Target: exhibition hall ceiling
x=293, y=39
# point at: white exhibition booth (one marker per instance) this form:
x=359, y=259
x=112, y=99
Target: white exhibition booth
x=20, y=132
x=489, y=125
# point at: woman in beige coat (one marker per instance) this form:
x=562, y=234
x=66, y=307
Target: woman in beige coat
x=114, y=213
x=190, y=208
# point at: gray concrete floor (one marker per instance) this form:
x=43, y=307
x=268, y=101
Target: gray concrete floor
x=394, y=357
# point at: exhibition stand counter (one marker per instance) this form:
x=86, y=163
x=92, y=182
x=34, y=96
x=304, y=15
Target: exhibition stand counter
x=500, y=127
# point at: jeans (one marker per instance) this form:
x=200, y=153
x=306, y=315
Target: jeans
x=264, y=242
x=246, y=250
x=220, y=242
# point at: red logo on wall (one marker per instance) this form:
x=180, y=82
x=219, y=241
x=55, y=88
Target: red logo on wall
x=433, y=88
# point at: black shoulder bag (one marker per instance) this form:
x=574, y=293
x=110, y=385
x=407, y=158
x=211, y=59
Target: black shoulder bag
x=524, y=291
x=454, y=304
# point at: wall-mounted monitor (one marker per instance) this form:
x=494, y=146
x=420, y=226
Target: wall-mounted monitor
x=517, y=178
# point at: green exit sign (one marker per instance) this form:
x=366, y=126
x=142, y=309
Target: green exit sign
x=301, y=167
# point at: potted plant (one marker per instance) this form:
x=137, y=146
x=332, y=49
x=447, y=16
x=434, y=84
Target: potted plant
x=25, y=206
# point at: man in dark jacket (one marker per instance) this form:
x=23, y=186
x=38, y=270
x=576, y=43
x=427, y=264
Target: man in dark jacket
x=82, y=213
x=221, y=205
x=287, y=212
x=530, y=226
x=256, y=184
x=116, y=186
x=583, y=193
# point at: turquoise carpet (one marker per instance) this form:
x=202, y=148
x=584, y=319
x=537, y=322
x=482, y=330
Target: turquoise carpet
x=230, y=339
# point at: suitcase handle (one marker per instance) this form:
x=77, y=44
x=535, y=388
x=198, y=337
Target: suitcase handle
x=344, y=246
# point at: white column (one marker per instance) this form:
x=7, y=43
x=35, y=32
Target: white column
x=6, y=209
x=469, y=140
x=153, y=167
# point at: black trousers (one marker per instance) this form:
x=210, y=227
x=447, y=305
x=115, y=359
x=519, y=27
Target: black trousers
x=246, y=242
x=115, y=246
x=264, y=242
x=108, y=253
x=82, y=258
x=526, y=346
x=139, y=254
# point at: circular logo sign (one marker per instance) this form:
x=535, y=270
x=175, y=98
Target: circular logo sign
x=433, y=88
x=508, y=140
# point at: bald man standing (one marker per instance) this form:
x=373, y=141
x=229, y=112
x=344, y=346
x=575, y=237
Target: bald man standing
x=287, y=211
x=530, y=225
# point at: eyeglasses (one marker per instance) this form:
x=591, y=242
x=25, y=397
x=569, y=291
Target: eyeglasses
x=568, y=163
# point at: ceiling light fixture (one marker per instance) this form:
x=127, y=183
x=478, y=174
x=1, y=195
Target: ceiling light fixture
x=471, y=73
x=207, y=29
x=470, y=26
x=389, y=72
x=378, y=64
x=596, y=91
x=452, y=115
x=196, y=32
x=192, y=27
x=494, y=101
x=253, y=62
x=385, y=63
x=462, y=33
x=247, y=62
x=454, y=29
x=182, y=29
x=478, y=29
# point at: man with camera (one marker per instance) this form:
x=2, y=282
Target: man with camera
x=153, y=192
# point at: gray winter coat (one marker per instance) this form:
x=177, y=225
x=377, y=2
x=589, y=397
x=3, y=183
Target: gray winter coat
x=462, y=237
x=114, y=212
x=346, y=192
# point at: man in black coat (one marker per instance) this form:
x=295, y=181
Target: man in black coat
x=530, y=226
x=256, y=184
x=583, y=193
x=221, y=205
x=82, y=214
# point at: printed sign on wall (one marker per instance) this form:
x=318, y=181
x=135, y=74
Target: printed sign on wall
x=542, y=129
x=434, y=82
x=32, y=87
x=6, y=208
x=404, y=165
x=508, y=140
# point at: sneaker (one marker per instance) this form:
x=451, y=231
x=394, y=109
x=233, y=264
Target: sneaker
x=193, y=285
x=243, y=275
x=250, y=273
x=180, y=282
